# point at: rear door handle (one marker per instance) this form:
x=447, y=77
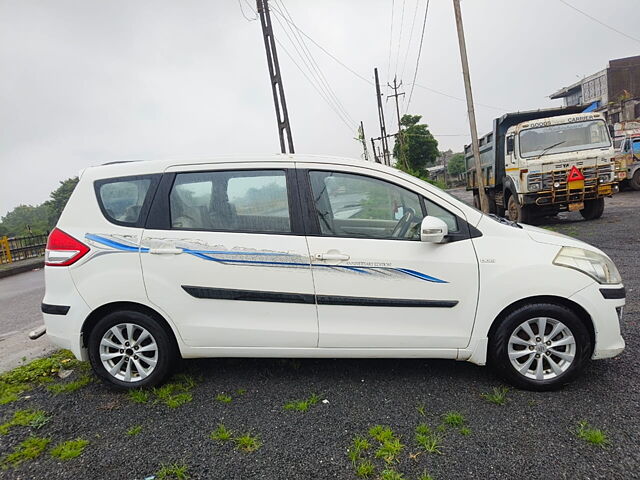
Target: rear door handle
x=331, y=256
x=165, y=251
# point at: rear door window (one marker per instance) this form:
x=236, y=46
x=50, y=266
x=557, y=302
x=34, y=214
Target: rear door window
x=254, y=201
x=123, y=200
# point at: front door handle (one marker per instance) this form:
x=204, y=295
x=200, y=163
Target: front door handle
x=166, y=251
x=332, y=256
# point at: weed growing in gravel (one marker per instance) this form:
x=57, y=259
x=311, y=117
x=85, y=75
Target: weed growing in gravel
x=428, y=440
x=365, y=469
x=175, y=471
x=381, y=433
x=302, y=405
x=422, y=409
x=138, y=395
x=248, y=442
x=591, y=435
x=454, y=419
x=177, y=392
x=72, y=386
x=391, y=475
x=425, y=476
x=389, y=450
x=466, y=431
x=135, y=430
x=359, y=445
x=241, y=391
x=25, y=418
x=221, y=434
x=29, y=449
x=222, y=398
x=69, y=449
x=497, y=396
x=23, y=378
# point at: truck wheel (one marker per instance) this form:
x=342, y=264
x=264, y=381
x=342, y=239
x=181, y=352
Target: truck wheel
x=518, y=213
x=592, y=209
x=634, y=181
x=540, y=346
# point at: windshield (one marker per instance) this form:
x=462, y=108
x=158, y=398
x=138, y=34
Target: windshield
x=566, y=137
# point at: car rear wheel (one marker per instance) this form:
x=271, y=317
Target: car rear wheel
x=540, y=347
x=129, y=349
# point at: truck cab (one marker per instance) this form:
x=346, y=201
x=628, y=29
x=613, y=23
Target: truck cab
x=627, y=160
x=543, y=162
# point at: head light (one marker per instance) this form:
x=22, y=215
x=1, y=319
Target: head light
x=597, y=266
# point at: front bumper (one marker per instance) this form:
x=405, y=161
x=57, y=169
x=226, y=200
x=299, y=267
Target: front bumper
x=606, y=316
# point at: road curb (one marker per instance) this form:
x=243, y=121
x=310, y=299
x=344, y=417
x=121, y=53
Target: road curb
x=21, y=268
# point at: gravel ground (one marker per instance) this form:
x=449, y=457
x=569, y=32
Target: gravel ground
x=529, y=437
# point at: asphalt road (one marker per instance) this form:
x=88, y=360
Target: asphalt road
x=532, y=436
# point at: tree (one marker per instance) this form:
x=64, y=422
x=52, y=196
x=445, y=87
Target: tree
x=419, y=149
x=456, y=165
x=59, y=198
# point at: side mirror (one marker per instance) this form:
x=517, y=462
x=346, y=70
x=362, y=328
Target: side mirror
x=433, y=230
x=510, y=144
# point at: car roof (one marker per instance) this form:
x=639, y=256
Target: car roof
x=142, y=167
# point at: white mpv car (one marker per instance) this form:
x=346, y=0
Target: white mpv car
x=309, y=256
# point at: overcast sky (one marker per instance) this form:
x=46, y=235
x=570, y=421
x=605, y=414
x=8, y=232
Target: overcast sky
x=86, y=82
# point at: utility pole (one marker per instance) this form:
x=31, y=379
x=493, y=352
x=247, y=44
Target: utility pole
x=282, y=115
x=363, y=139
x=383, y=130
x=484, y=201
x=395, y=87
x=375, y=155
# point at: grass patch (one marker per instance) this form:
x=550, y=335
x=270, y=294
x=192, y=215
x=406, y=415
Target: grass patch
x=497, y=396
x=359, y=445
x=248, y=442
x=25, y=377
x=425, y=476
x=389, y=450
x=29, y=449
x=177, y=392
x=222, y=398
x=241, y=391
x=466, y=431
x=422, y=410
x=221, y=434
x=138, y=395
x=428, y=440
x=25, y=418
x=69, y=449
x=454, y=419
x=135, y=430
x=72, y=386
x=365, y=469
x=302, y=405
x=174, y=471
x=381, y=433
x=591, y=435
x=391, y=475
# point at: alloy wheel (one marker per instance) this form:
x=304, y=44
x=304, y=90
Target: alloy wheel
x=542, y=348
x=128, y=352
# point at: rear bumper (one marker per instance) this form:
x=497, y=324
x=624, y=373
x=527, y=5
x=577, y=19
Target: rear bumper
x=605, y=314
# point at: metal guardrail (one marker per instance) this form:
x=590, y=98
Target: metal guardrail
x=20, y=248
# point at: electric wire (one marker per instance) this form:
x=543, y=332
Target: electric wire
x=244, y=15
x=395, y=70
x=600, y=22
x=413, y=23
x=312, y=61
x=459, y=98
x=415, y=73
x=393, y=4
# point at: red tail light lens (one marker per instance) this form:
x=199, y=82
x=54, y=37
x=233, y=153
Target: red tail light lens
x=63, y=250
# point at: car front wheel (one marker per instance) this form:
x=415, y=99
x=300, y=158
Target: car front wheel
x=540, y=347
x=130, y=349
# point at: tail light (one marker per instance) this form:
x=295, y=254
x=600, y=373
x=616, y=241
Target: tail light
x=63, y=250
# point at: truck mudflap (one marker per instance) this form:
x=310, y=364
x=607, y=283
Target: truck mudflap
x=555, y=189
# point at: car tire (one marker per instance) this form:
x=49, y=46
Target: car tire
x=518, y=213
x=593, y=209
x=537, y=362
x=130, y=349
x=634, y=181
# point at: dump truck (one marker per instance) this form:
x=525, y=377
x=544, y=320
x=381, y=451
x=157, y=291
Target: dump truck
x=626, y=143
x=541, y=162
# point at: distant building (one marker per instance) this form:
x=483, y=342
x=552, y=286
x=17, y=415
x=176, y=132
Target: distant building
x=615, y=91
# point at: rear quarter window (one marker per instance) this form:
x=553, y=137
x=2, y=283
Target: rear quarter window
x=125, y=200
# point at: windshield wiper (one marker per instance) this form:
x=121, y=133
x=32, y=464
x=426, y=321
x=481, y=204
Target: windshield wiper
x=550, y=147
